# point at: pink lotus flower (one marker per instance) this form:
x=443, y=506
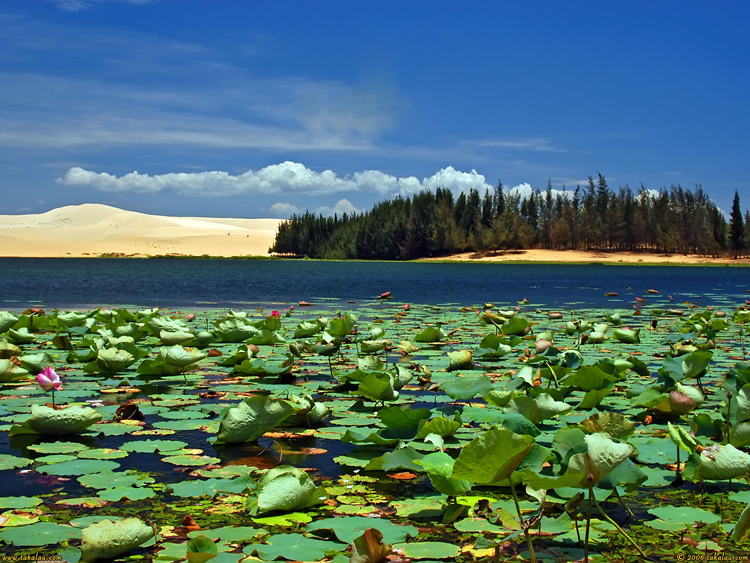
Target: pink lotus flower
x=49, y=379
x=276, y=314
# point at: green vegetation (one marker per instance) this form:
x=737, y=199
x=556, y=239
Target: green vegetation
x=451, y=433
x=589, y=217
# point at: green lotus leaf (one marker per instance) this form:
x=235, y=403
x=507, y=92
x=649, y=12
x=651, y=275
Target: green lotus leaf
x=38, y=534
x=78, y=467
x=739, y=435
x=265, y=337
x=439, y=468
x=742, y=529
x=294, y=547
x=234, y=330
x=10, y=372
x=21, y=336
x=200, y=549
x=348, y=528
x=378, y=386
x=7, y=349
x=739, y=405
x=612, y=423
x=720, y=462
x=514, y=326
x=466, y=388
x=626, y=473
x=259, y=367
x=627, y=336
x=460, y=359
x=592, y=398
x=499, y=397
x=111, y=360
x=340, y=327
x=430, y=334
x=541, y=408
x=429, y=550
x=307, y=328
x=443, y=427
x=132, y=330
x=602, y=456
x=287, y=489
x=108, y=539
x=372, y=346
x=491, y=457
x=402, y=423
x=589, y=378
x=173, y=338
x=681, y=438
x=307, y=412
x=156, y=324
x=172, y=360
x=36, y=363
x=252, y=418
x=7, y=320
x=68, y=420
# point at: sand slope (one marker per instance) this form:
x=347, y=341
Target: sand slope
x=94, y=229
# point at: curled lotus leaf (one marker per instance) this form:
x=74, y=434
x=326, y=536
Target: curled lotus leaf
x=201, y=549
x=287, y=489
x=68, y=420
x=111, y=360
x=627, y=335
x=540, y=408
x=307, y=328
x=514, y=326
x=682, y=439
x=460, y=359
x=491, y=457
x=108, y=539
x=234, y=330
x=378, y=386
x=35, y=363
x=430, y=334
x=372, y=346
x=7, y=320
x=252, y=418
x=172, y=338
x=439, y=468
x=11, y=372
x=21, y=336
x=720, y=462
x=172, y=360
x=155, y=325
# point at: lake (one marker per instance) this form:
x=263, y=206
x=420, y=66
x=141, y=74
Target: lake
x=89, y=282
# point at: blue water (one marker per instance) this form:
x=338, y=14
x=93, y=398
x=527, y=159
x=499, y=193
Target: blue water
x=68, y=283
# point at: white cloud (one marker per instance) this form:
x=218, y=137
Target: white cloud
x=286, y=177
x=285, y=209
x=78, y=5
x=539, y=144
x=341, y=207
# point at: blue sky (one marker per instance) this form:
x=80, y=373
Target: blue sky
x=258, y=109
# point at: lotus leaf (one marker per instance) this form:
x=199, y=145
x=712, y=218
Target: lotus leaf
x=430, y=334
x=38, y=534
x=373, y=346
x=234, y=330
x=681, y=438
x=720, y=462
x=286, y=488
x=428, y=550
x=348, y=528
x=172, y=360
x=443, y=427
x=460, y=359
x=293, y=547
x=107, y=539
x=111, y=360
x=402, y=423
x=612, y=423
x=7, y=320
x=173, y=338
x=439, y=468
x=155, y=325
x=10, y=372
x=35, y=363
x=259, y=367
x=21, y=336
x=307, y=412
x=265, y=337
x=307, y=328
x=514, y=326
x=627, y=336
x=378, y=386
x=542, y=407
x=739, y=435
x=341, y=326
x=369, y=547
x=252, y=418
x=68, y=420
x=742, y=529
x=200, y=549
x=491, y=457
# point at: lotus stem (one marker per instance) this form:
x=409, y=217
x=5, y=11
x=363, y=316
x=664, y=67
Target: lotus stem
x=588, y=525
x=616, y=525
x=619, y=499
x=53, y=397
x=520, y=518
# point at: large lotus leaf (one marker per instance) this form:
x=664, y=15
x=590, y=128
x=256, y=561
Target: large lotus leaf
x=68, y=420
x=627, y=336
x=112, y=360
x=460, y=359
x=7, y=320
x=11, y=372
x=201, y=549
x=493, y=353
x=739, y=435
x=155, y=325
x=499, y=397
x=234, y=330
x=8, y=350
x=491, y=457
x=514, y=325
x=652, y=398
x=464, y=389
x=739, y=405
x=307, y=412
x=402, y=423
x=439, y=468
x=603, y=456
x=626, y=473
x=696, y=363
x=612, y=423
x=259, y=367
x=173, y=338
x=592, y=398
x=252, y=418
x=402, y=377
x=723, y=462
x=373, y=346
x=38, y=534
x=589, y=378
x=294, y=547
x=306, y=328
x=742, y=529
x=71, y=319
x=378, y=386
x=430, y=334
x=367, y=436
x=36, y=363
x=440, y=426
x=133, y=330
x=348, y=528
x=287, y=489
x=265, y=337
x=542, y=407
x=181, y=356
x=107, y=539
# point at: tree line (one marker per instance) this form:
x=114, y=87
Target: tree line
x=592, y=216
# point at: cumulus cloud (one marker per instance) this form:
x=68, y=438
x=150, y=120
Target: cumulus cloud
x=286, y=177
x=284, y=209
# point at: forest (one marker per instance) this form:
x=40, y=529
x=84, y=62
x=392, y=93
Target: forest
x=591, y=217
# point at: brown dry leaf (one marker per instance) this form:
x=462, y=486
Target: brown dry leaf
x=121, y=390
x=313, y=451
x=189, y=523
x=211, y=394
x=213, y=353
x=403, y=476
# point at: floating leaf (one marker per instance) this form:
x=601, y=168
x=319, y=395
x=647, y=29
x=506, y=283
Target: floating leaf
x=107, y=539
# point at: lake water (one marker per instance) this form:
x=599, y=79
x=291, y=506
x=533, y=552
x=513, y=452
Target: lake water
x=69, y=283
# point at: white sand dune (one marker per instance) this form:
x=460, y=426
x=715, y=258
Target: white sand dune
x=94, y=229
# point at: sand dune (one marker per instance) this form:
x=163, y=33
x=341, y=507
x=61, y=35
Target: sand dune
x=93, y=229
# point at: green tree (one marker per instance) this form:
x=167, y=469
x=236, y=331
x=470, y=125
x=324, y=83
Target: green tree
x=736, y=226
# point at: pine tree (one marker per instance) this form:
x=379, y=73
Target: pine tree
x=736, y=226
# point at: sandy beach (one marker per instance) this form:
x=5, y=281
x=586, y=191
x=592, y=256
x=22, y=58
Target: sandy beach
x=92, y=230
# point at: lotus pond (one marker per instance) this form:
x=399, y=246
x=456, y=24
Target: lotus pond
x=378, y=430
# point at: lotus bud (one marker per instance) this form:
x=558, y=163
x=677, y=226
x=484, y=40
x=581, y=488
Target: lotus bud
x=590, y=477
x=190, y=317
x=406, y=307
x=252, y=350
x=49, y=379
x=275, y=314
x=680, y=403
x=541, y=345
